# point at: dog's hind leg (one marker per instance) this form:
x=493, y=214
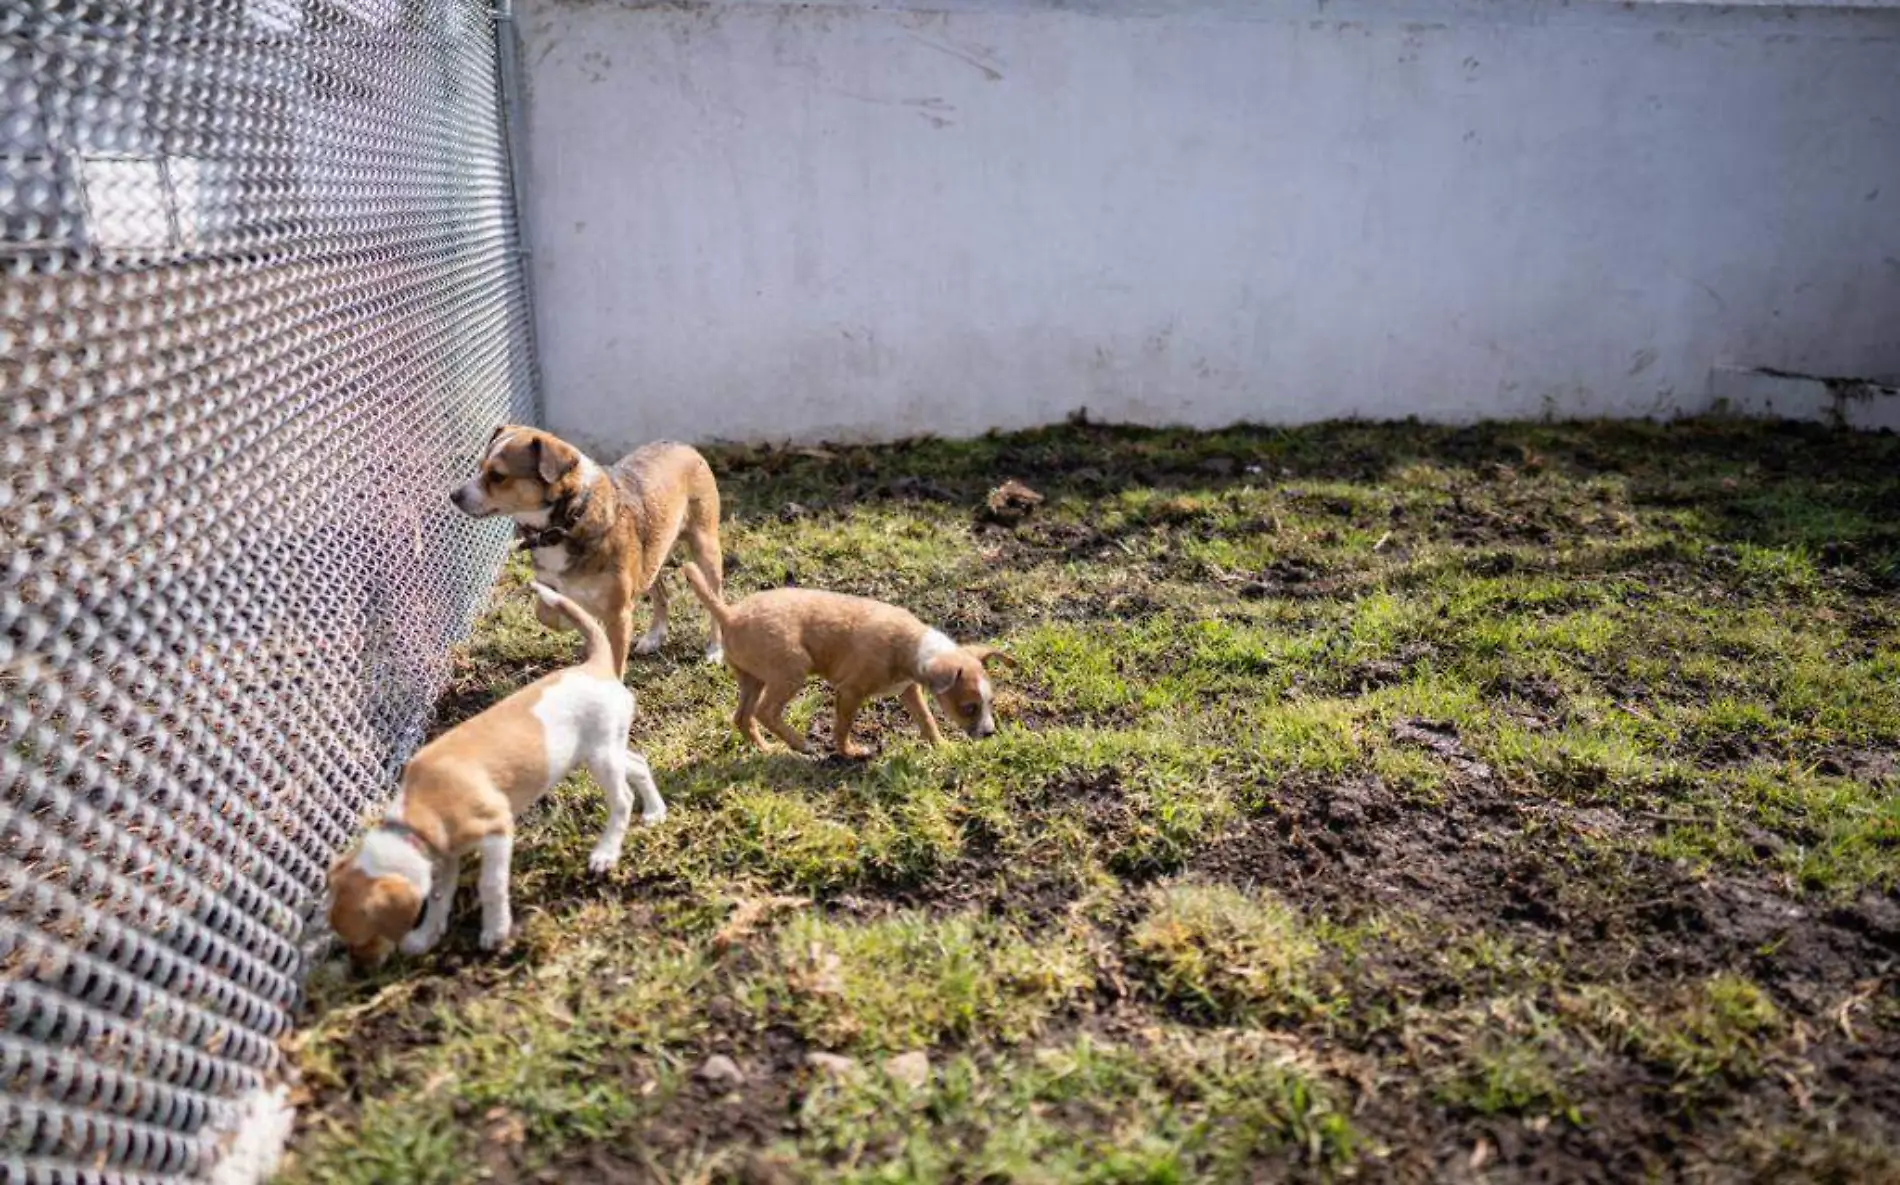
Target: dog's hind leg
x=609, y=768
x=703, y=540
x=772, y=701
x=746, y=720
x=652, y=806
x=700, y=530
x=847, y=709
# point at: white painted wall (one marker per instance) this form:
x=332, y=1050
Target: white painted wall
x=761, y=220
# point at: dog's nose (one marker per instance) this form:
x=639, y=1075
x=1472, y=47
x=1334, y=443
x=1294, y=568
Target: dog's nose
x=455, y=497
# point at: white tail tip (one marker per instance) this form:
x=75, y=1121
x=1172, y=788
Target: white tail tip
x=548, y=596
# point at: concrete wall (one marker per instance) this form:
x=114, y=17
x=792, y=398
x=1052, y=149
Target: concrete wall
x=760, y=220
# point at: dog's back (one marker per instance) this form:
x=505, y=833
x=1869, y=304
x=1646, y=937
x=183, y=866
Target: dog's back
x=670, y=492
x=522, y=745
x=843, y=638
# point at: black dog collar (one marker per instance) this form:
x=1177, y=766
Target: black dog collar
x=528, y=538
x=555, y=533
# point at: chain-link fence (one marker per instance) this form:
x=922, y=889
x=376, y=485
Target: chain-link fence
x=262, y=302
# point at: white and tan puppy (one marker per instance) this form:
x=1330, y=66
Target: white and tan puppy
x=461, y=792
x=601, y=535
x=777, y=639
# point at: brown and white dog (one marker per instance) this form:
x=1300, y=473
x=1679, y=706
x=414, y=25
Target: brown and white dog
x=601, y=536
x=461, y=792
x=778, y=638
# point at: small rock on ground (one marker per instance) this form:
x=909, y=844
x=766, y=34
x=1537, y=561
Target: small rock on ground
x=837, y=1065
x=721, y=1070
x=912, y=1069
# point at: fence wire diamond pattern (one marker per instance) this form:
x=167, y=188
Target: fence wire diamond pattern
x=260, y=302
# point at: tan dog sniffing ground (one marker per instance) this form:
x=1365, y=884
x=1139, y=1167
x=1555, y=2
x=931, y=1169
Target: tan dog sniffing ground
x=461, y=792
x=598, y=535
x=778, y=638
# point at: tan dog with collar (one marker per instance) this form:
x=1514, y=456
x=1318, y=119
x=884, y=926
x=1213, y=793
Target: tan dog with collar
x=601, y=536
x=461, y=792
x=778, y=638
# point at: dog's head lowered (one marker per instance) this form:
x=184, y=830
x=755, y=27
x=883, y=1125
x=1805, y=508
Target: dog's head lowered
x=962, y=687
x=370, y=914
x=523, y=474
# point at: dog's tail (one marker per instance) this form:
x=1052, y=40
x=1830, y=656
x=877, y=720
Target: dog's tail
x=600, y=652
x=702, y=590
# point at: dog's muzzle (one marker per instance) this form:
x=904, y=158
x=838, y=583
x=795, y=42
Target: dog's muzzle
x=467, y=500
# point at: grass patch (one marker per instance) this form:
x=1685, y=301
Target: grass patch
x=1185, y=1106
x=1723, y=1025
x=914, y=981
x=1223, y=954
x=1501, y=1076
x=1522, y=788
x=387, y=1140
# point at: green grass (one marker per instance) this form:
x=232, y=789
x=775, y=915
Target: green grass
x=1724, y=1025
x=1516, y=1076
x=912, y=981
x=1225, y=954
x=1364, y=792
x=1177, y=1107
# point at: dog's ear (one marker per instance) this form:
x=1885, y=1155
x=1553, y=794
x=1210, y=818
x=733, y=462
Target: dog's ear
x=984, y=654
x=553, y=459
x=494, y=436
x=392, y=907
x=941, y=674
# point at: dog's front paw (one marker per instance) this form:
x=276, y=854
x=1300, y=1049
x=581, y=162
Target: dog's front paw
x=649, y=643
x=602, y=861
x=416, y=942
x=654, y=817
x=715, y=655
x=495, y=937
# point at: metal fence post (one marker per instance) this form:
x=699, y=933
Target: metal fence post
x=515, y=123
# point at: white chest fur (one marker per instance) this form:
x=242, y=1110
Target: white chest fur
x=550, y=561
x=384, y=853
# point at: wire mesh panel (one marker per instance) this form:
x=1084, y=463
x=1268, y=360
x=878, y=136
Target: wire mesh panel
x=260, y=303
